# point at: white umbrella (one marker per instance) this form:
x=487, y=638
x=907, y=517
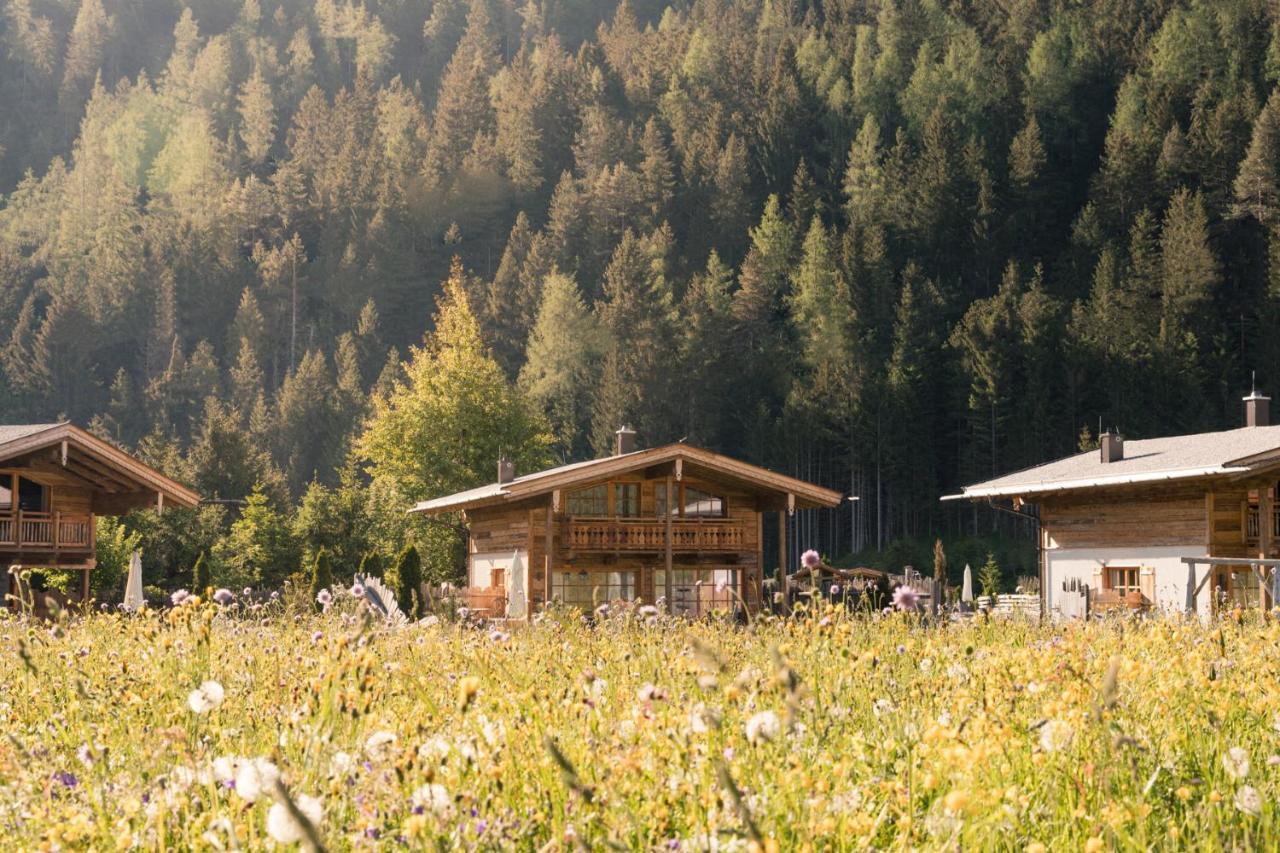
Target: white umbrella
x=1275, y=587
x=966, y=592
x=133, y=589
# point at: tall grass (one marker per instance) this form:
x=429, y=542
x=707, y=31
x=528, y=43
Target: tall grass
x=834, y=733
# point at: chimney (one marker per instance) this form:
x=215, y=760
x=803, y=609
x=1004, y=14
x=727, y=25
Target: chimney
x=1112, y=446
x=506, y=470
x=1257, y=410
x=626, y=440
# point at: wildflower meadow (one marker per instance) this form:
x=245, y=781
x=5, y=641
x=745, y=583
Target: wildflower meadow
x=224, y=725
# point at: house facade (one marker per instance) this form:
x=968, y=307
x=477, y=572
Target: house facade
x=55, y=480
x=675, y=523
x=1182, y=523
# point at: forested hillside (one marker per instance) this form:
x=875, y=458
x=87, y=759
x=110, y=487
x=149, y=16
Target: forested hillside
x=887, y=245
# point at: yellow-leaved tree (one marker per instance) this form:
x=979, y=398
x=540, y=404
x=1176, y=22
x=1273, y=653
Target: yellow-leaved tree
x=444, y=426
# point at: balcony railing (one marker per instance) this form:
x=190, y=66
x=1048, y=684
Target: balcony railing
x=634, y=534
x=45, y=531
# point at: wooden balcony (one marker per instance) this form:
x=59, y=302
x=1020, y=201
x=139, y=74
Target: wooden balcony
x=650, y=534
x=45, y=531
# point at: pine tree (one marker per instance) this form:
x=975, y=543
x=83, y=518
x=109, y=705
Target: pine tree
x=321, y=576
x=200, y=582
x=1257, y=186
x=989, y=578
x=406, y=579
x=563, y=362
x=370, y=565
x=1027, y=155
x=257, y=118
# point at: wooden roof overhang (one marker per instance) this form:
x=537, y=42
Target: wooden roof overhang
x=65, y=455
x=774, y=490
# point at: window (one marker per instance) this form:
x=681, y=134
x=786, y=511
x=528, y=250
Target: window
x=700, y=504
x=1123, y=580
x=6, y=492
x=661, y=506
x=592, y=501
x=697, y=503
x=696, y=592
x=590, y=589
x=31, y=496
x=626, y=499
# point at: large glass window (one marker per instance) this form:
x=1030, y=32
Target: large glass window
x=591, y=589
x=697, y=592
x=700, y=504
x=31, y=496
x=626, y=499
x=592, y=501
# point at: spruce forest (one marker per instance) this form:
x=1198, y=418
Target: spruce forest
x=323, y=259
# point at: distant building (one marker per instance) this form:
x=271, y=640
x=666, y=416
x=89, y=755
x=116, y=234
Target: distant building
x=1187, y=522
x=676, y=523
x=55, y=479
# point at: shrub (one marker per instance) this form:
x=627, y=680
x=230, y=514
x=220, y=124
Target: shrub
x=989, y=577
x=370, y=565
x=200, y=581
x=406, y=580
x=321, y=574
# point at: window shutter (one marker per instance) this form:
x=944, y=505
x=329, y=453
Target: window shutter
x=1148, y=581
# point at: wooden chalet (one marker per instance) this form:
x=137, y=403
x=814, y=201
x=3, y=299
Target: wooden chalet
x=55, y=479
x=1187, y=522
x=676, y=523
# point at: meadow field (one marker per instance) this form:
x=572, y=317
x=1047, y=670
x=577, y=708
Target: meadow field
x=213, y=726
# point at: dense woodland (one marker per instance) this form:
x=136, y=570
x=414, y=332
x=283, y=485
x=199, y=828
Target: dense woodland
x=888, y=245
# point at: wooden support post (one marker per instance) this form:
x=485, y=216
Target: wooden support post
x=1266, y=530
x=671, y=505
x=548, y=560
x=784, y=583
x=84, y=587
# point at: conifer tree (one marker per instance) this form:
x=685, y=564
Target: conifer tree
x=200, y=582
x=406, y=578
x=321, y=576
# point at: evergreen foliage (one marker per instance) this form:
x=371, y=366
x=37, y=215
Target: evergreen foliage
x=889, y=247
x=321, y=575
x=405, y=577
x=200, y=581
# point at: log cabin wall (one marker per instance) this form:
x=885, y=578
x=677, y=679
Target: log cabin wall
x=1126, y=520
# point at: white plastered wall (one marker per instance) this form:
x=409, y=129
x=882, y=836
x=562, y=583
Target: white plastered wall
x=1164, y=565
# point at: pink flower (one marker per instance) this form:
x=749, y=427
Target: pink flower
x=905, y=598
x=810, y=559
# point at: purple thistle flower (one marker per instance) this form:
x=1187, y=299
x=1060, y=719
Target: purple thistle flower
x=905, y=598
x=357, y=589
x=324, y=597
x=810, y=559
x=66, y=778
x=224, y=597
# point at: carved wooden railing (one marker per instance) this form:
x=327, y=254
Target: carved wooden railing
x=627, y=534
x=45, y=530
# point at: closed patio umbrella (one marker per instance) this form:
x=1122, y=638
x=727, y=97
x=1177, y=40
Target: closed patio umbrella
x=966, y=592
x=1275, y=587
x=133, y=589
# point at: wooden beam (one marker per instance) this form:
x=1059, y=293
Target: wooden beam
x=119, y=503
x=85, y=461
x=671, y=505
x=783, y=582
x=550, y=548
x=1266, y=525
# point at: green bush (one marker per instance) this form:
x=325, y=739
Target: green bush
x=200, y=582
x=406, y=579
x=321, y=574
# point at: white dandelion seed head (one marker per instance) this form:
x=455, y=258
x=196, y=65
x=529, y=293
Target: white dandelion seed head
x=285, y=828
x=206, y=697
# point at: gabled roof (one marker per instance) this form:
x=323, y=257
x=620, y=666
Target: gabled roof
x=90, y=460
x=807, y=495
x=1176, y=457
